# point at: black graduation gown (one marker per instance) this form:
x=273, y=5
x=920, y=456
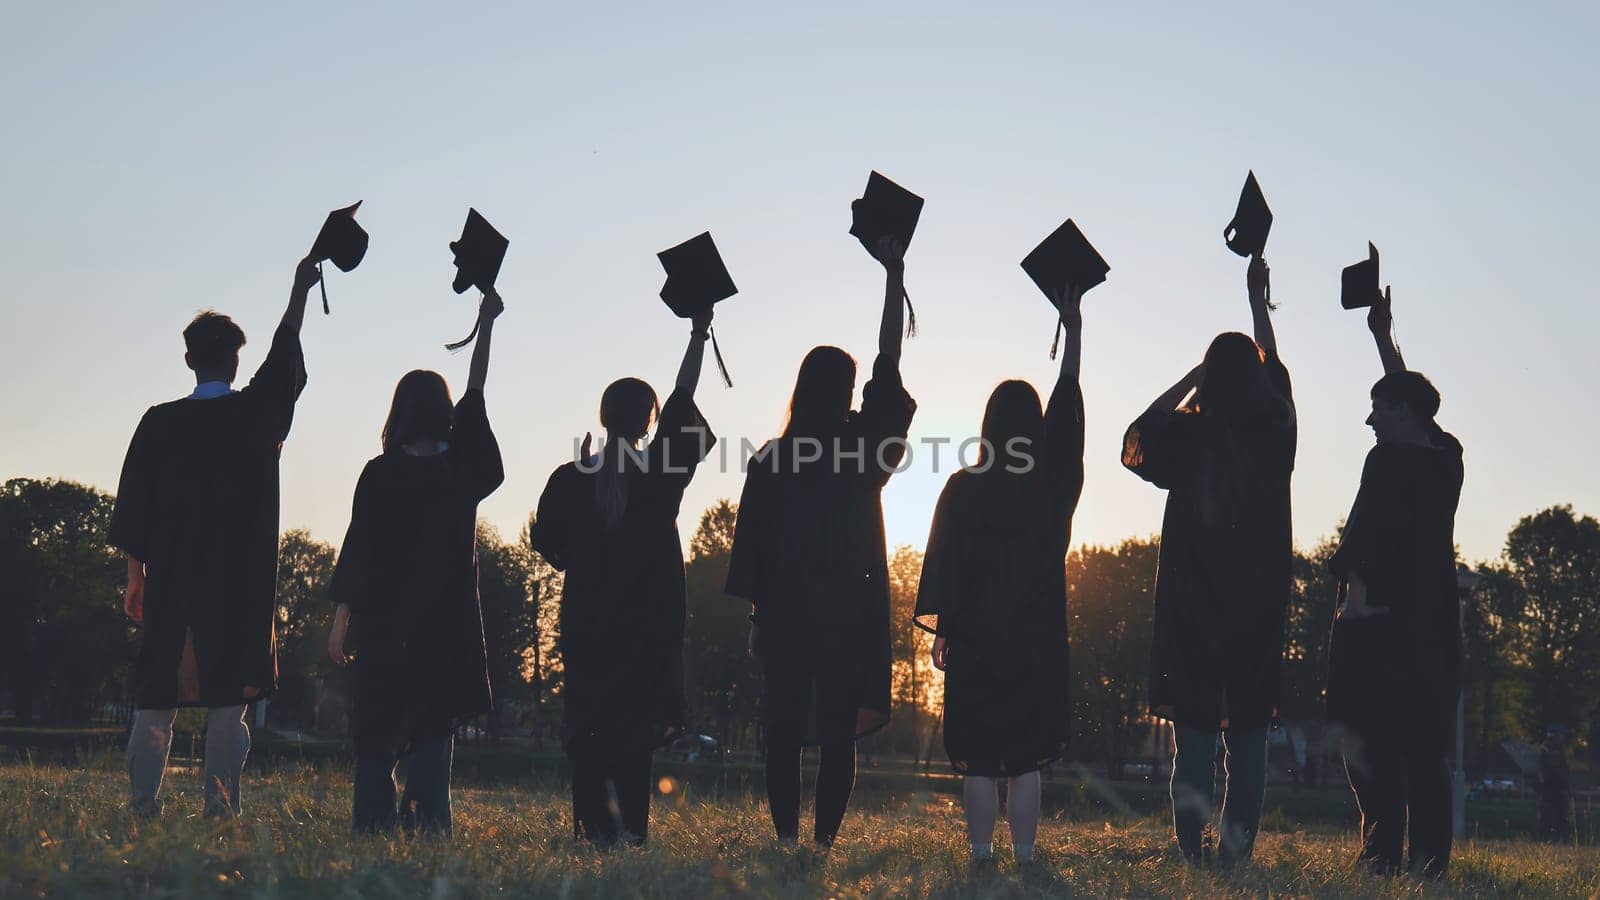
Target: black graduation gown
x=624, y=601
x=198, y=504
x=809, y=554
x=994, y=586
x=1222, y=581
x=408, y=570
x=1399, y=673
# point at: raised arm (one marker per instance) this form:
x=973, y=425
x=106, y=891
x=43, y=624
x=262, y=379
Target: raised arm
x=306, y=276
x=1380, y=322
x=1258, y=281
x=1070, y=301
x=488, y=310
x=892, y=254
x=689, y=370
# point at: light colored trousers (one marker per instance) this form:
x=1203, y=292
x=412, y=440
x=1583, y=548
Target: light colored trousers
x=150, y=742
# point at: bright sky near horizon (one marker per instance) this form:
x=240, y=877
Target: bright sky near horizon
x=161, y=159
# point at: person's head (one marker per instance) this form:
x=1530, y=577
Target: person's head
x=1013, y=412
x=822, y=391
x=211, y=344
x=627, y=410
x=1403, y=407
x=1232, y=379
x=421, y=410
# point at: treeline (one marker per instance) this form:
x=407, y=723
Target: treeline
x=1530, y=619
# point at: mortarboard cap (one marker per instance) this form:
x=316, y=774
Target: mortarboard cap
x=1247, y=234
x=1064, y=258
x=696, y=280
x=1359, y=282
x=886, y=209
x=342, y=240
x=696, y=276
x=479, y=252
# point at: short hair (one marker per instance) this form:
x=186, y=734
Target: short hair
x=1410, y=388
x=212, y=339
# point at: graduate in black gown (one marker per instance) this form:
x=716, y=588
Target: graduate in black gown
x=1222, y=585
x=406, y=584
x=610, y=522
x=808, y=554
x=994, y=591
x=1395, y=660
x=197, y=516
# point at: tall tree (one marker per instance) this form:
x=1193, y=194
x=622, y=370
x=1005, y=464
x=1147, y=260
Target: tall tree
x=305, y=614
x=722, y=682
x=1555, y=558
x=1112, y=607
x=509, y=622
x=67, y=645
x=542, y=655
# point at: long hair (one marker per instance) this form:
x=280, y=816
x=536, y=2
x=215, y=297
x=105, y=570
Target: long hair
x=822, y=392
x=421, y=410
x=1233, y=381
x=1013, y=411
x=627, y=409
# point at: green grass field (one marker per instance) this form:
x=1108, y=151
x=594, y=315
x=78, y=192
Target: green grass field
x=65, y=833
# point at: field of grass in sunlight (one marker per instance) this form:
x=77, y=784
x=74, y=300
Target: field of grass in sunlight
x=65, y=833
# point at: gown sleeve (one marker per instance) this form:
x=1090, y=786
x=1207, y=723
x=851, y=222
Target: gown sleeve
x=1155, y=447
x=1063, y=446
x=277, y=384
x=683, y=439
x=885, y=416
x=353, y=573
x=474, y=452
x=751, y=537
x=551, y=529
x=130, y=517
x=939, y=591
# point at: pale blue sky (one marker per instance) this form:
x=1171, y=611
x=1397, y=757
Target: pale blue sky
x=162, y=158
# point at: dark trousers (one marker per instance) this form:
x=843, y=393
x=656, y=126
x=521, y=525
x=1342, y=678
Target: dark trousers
x=425, y=805
x=1194, y=778
x=610, y=791
x=820, y=704
x=1400, y=789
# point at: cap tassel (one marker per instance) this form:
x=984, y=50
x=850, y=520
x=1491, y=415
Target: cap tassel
x=911, y=315
x=323, y=284
x=1056, y=344
x=464, y=341
x=717, y=352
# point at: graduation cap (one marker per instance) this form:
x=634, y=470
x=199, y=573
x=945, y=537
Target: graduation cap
x=1359, y=282
x=1247, y=234
x=1065, y=258
x=696, y=281
x=341, y=240
x=886, y=209
x=479, y=252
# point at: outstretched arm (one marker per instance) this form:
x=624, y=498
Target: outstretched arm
x=892, y=254
x=689, y=370
x=1070, y=301
x=1258, y=281
x=1380, y=322
x=306, y=276
x=478, y=372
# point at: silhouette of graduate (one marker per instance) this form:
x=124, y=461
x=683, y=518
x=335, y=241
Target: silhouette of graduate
x=994, y=586
x=1395, y=658
x=197, y=517
x=406, y=584
x=808, y=546
x=1224, y=457
x=609, y=521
